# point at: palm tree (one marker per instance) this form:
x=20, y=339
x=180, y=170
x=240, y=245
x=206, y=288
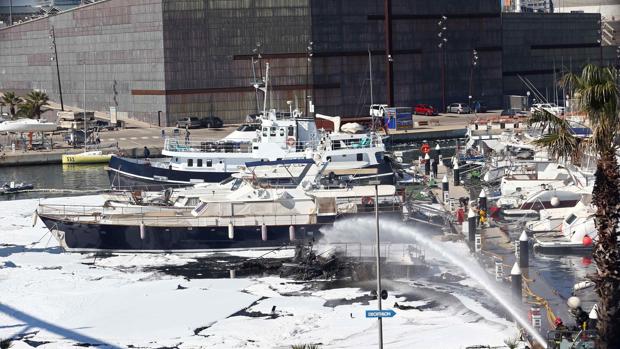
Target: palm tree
x=597, y=96
x=9, y=99
x=34, y=103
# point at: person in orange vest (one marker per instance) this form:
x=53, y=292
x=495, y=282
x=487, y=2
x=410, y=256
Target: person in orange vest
x=483, y=217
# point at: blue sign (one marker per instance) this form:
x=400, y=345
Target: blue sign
x=380, y=313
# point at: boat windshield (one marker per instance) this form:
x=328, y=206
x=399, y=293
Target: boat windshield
x=248, y=128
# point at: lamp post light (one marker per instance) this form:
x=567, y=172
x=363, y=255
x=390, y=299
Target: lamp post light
x=309, y=51
x=442, y=45
x=528, y=93
x=474, y=64
x=52, y=37
x=379, y=294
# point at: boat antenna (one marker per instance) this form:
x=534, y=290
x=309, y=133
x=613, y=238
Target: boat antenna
x=371, y=96
x=84, y=101
x=255, y=84
x=266, y=89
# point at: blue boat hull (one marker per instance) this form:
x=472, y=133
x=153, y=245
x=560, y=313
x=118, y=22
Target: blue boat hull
x=84, y=237
x=126, y=173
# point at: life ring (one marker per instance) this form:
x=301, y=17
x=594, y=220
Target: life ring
x=368, y=201
x=425, y=148
x=290, y=141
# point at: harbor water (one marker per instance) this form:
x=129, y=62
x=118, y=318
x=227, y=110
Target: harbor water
x=55, y=180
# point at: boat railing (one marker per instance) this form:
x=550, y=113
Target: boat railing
x=164, y=216
x=206, y=146
x=189, y=146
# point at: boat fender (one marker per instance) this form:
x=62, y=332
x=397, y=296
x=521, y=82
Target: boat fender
x=587, y=241
x=142, y=231
x=583, y=285
x=231, y=231
x=291, y=232
x=263, y=232
x=34, y=217
x=368, y=201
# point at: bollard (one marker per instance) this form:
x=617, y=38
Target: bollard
x=478, y=242
x=524, y=251
x=427, y=164
x=517, y=282
x=445, y=188
x=434, y=168
x=499, y=270
x=482, y=200
x=471, y=225
x=457, y=174
x=593, y=317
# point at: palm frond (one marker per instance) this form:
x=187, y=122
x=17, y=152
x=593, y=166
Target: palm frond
x=561, y=143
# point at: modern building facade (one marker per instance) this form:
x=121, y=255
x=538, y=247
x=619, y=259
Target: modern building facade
x=160, y=60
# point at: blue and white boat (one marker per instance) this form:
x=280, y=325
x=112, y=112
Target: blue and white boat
x=281, y=136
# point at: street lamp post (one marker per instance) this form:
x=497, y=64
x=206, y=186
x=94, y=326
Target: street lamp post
x=474, y=63
x=380, y=322
x=528, y=93
x=308, y=60
x=55, y=58
x=443, y=41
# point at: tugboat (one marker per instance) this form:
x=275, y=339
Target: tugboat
x=281, y=136
x=247, y=214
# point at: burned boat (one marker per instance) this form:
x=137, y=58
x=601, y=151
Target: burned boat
x=251, y=214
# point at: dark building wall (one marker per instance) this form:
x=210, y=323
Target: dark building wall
x=208, y=45
x=192, y=57
x=344, y=30
x=534, y=44
x=118, y=41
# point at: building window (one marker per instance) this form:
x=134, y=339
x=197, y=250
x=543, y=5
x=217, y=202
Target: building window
x=190, y=162
x=199, y=163
x=272, y=132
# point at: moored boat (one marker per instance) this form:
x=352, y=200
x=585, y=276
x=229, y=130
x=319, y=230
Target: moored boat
x=88, y=157
x=247, y=214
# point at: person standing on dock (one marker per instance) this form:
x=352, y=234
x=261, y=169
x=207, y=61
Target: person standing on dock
x=147, y=152
x=163, y=133
x=186, y=136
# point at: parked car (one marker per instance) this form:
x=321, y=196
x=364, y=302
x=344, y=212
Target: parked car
x=459, y=108
x=513, y=113
x=189, y=122
x=424, y=109
x=101, y=125
x=377, y=110
x=76, y=138
x=550, y=107
x=211, y=122
x=479, y=106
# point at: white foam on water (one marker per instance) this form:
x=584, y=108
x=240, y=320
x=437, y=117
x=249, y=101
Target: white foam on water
x=395, y=231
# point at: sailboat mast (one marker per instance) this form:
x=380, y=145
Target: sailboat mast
x=84, y=103
x=388, y=52
x=266, y=89
x=370, y=75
